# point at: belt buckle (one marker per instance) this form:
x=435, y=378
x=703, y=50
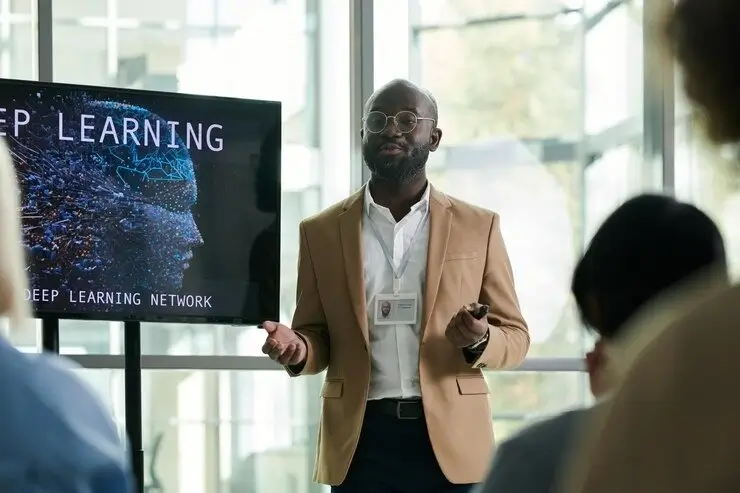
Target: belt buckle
x=399, y=413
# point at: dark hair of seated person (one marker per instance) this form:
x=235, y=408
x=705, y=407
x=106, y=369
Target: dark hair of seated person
x=649, y=244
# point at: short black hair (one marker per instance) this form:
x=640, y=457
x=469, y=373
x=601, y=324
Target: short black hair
x=649, y=244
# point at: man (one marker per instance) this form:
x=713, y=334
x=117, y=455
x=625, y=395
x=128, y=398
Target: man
x=630, y=262
x=405, y=245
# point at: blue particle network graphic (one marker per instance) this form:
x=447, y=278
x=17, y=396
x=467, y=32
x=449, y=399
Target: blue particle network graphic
x=104, y=215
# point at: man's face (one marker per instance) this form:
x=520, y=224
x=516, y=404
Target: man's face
x=385, y=309
x=391, y=154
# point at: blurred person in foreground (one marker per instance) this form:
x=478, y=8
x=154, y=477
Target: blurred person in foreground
x=55, y=435
x=630, y=260
x=672, y=426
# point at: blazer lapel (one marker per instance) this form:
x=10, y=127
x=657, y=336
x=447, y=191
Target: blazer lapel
x=350, y=232
x=440, y=222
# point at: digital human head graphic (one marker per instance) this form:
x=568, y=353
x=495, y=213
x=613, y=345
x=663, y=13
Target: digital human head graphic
x=110, y=191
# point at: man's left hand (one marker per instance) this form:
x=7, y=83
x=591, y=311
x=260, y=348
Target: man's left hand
x=464, y=330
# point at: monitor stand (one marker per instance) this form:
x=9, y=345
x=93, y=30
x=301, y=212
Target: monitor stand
x=132, y=397
x=50, y=335
x=132, y=386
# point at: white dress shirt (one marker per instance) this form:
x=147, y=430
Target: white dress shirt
x=394, y=349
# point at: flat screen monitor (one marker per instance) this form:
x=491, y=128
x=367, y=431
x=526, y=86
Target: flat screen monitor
x=146, y=206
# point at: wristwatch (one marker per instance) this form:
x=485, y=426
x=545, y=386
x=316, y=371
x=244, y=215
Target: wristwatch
x=482, y=341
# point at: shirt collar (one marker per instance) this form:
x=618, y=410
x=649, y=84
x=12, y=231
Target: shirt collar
x=422, y=204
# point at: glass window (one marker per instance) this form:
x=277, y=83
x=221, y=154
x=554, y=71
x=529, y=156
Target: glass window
x=706, y=175
x=173, y=48
x=614, y=69
x=219, y=431
x=521, y=398
x=18, y=60
x=710, y=178
x=86, y=11
x=541, y=108
x=80, y=52
x=535, y=102
x=18, y=56
x=541, y=102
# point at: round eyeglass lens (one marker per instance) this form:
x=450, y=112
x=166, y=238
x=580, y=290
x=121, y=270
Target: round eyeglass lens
x=375, y=121
x=406, y=121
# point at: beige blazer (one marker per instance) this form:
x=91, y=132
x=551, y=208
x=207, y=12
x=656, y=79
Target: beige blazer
x=467, y=262
x=672, y=426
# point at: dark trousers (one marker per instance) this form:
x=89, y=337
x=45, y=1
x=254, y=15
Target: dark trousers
x=394, y=454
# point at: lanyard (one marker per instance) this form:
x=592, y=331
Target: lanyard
x=397, y=272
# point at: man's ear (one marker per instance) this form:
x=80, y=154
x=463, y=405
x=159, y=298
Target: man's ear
x=435, y=139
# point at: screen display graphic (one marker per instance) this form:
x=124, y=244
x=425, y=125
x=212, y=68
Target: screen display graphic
x=146, y=206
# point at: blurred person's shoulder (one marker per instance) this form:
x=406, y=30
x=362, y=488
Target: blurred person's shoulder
x=674, y=406
x=549, y=436
x=709, y=332
x=545, y=444
x=56, y=430
x=669, y=310
x=531, y=460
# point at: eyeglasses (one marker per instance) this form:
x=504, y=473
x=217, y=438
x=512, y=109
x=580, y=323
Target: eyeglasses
x=405, y=121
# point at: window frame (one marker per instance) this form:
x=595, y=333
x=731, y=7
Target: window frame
x=658, y=141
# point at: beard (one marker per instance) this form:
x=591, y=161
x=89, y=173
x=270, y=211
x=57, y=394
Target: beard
x=399, y=170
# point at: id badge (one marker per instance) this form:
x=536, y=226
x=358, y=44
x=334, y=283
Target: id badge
x=398, y=309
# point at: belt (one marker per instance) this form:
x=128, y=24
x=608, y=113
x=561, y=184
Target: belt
x=398, y=408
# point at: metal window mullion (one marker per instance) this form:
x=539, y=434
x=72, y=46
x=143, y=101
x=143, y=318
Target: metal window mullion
x=361, y=80
x=261, y=363
x=659, y=100
x=45, y=40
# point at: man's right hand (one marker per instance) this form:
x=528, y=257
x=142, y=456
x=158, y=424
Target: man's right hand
x=283, y=344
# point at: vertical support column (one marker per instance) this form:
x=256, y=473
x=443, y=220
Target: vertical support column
x=5, y=29
x=45, y=59
x=132, y=399
x=45, y=40
x=414, y=43
x=111, y=61
x=50, y=335
x=361, y=80
x=582, y=161
x=659, y=99
x=331, y=61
